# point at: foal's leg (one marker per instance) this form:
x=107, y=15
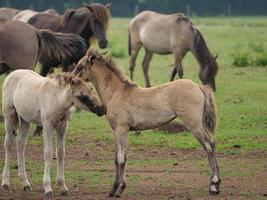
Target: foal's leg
x=9, y=138
x=121, y=134
x=135, y=47
x=60, y=158
x=178, y=65
x=48, y=153
x=192, y=119
x=145, y=65
x=21, y=143
x=209, y=147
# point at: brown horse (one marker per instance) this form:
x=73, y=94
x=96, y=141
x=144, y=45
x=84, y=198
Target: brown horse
x=167, y=34
x=22, y=44
x=88, y=22
x=7, y=14
x=130, y=107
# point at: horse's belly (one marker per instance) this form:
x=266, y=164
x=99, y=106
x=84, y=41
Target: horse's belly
x=157, y=43
x=147, y=120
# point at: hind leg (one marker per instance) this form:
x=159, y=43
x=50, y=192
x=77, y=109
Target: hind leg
x=193, y=122
x=135, y=47
x=145, y=65
x=10, y=124
x=177, y=68
x=21, y=144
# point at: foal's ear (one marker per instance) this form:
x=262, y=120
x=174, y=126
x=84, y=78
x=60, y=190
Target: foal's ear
x=108, y=6
x=91, y=58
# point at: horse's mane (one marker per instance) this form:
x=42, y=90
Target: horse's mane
x=101, y=13
x=65, y=78
x=112, y=66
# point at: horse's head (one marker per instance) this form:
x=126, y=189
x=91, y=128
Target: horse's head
x=99, y=22
x=84, y=98
x=90, y=22
x=85, y=65
x=208, y=73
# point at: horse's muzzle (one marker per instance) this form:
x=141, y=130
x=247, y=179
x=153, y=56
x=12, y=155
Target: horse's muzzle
x=103, y=44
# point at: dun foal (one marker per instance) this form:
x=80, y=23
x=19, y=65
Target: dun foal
x=130, y=107
x=31, y=98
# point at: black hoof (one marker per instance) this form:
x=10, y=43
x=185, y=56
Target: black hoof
x=49, y=194
x=27, y=188
x=65, y=193
x=5, y=187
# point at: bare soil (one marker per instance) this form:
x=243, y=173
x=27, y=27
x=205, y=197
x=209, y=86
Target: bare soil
x=152, y=173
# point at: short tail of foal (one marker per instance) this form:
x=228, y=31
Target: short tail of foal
x=209, y=118
x=60, y=45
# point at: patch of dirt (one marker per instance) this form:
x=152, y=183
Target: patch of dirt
x=152, y=173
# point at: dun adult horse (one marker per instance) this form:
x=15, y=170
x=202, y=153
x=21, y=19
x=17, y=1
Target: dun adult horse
x=25, y=15
x=167, y=34
x=89, y=22
x=22, y=44
x=31, y=98
x=130, y=107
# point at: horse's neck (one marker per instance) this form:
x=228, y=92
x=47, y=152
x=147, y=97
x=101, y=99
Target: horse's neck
x=106, y=85
x=64, y=96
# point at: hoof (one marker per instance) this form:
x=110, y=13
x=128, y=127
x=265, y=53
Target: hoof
x=49, y=194
x=27, y=188
x=64, y=193
x=214, y=190
x=5, y=187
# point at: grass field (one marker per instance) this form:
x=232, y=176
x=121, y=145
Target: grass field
x=172, y=166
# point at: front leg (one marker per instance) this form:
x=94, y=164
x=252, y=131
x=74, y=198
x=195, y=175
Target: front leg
x=121, y=134
x=48, y=153
x=61, y=130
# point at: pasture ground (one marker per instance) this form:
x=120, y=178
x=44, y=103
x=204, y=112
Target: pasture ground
x=170, y=166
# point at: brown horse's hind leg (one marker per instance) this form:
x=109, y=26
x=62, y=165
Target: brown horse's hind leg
x=135, y=47
x=145, y=65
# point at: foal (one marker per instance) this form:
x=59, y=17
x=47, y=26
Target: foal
x=130, y=107
x=31, y=98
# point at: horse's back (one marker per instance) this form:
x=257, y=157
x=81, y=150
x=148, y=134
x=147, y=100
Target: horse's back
x=24, y=15
x=19, y=45
x=160, y=33
x=20, y=90
x=45, y=21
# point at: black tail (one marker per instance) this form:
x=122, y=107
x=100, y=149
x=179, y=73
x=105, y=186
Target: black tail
x=60, y=45
x=209, y=66
x=129, y=43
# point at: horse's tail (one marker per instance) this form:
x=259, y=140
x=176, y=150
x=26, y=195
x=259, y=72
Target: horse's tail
x=208, y=70
x=209, y=117
x=59, y=45
x=129, y=43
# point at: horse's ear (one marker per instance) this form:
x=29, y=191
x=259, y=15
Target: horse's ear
x=108, y=6
x=216, y=56
x=92, y=58
x=89, y=7
x=66, y=17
